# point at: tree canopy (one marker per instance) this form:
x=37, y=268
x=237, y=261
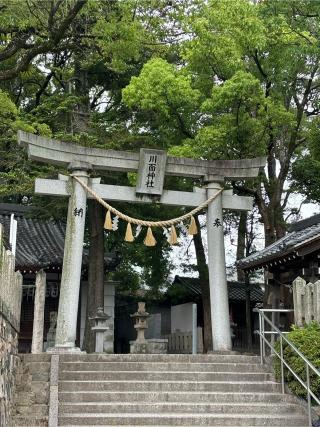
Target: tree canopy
x=246, y=84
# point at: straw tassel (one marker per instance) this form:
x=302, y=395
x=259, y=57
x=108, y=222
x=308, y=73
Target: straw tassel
x=129, y=236
x=108, y=221
x=150, y=240
x=173, y=239
x=193, y=229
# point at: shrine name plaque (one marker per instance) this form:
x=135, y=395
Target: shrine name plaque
x=152, y=165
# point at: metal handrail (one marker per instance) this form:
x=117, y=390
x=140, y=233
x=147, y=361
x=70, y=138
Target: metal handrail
x=263, y=341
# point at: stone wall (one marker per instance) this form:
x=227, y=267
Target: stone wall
x=10, y=307
x=31, y=400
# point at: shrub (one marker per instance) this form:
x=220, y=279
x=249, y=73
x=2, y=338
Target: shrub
x=307, y=340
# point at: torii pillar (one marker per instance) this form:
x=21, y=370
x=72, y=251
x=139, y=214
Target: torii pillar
x=81, y=159
x=72, y=261
x=219, y=301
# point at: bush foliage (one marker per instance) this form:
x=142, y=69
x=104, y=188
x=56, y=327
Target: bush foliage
x=307, y=340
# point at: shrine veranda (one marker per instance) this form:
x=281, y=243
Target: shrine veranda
x=151, y=166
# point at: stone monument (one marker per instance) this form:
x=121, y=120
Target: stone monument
x=51, y=334
x=306, y=301
x=100, y=327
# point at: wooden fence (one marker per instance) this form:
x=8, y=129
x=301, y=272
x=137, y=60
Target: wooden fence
x=181, y=342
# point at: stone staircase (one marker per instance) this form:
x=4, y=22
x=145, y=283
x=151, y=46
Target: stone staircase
x=31, y=400
x=172, y=390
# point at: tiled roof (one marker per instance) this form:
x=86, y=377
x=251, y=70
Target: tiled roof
x=236, y=290
x=300, y=234
x=40, y=244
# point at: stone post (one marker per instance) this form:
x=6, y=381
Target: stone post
x=194, y=329
x=221, y=336
x=72, y=261
x=100, y=327
x=299, y=286
x=308, y=303
x=316, y=301
x=38, y=316
x=109, y=298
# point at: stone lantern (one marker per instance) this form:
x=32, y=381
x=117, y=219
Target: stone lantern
x=141, y=344
x=140, y=318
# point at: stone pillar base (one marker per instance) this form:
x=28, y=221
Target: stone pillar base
x=151, y=346
x=64, y=350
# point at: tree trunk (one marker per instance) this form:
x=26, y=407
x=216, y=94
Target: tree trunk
x=274, y=229
x=205, y=289
x=95, y=297
x=241, y=247
x=242, y=275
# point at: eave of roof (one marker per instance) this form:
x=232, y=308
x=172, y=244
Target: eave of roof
x=301, y=235
x=236, y=290
x=40, y=243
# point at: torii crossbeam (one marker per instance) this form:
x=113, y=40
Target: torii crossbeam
x=81, y=160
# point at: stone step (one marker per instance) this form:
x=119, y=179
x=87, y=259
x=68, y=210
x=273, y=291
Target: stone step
x=186, y=407
x=163, y=376
x=35, y=410
x=163, y=366
x=39, y=357
x=151, y=386
x=163, y=396
x=35, y=366
x=182, y=419
x=29, y=422
x=184, y=358
x=40, y=390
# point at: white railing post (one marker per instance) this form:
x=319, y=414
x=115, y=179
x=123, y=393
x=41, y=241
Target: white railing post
x=283, y=364
x=308, y=394
x=282, y=370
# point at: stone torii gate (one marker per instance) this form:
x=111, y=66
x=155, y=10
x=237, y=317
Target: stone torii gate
x=81, y=160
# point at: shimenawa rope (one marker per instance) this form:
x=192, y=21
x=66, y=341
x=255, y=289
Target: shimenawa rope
x=141, y=222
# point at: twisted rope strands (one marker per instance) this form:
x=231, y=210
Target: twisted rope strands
x=137, y=221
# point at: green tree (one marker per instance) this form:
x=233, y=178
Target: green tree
x=73, y=91
x=27, y=31
x=246, y=84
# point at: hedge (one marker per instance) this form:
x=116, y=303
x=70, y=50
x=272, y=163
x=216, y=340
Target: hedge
x=307, y=340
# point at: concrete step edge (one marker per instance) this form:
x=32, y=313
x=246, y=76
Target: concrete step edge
x=165, y=372
x=179, y=392
x=145, y=362
x=209, y=394
x=156, y=415
x=159, y=358
x=231, y=404
x=166, y=382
